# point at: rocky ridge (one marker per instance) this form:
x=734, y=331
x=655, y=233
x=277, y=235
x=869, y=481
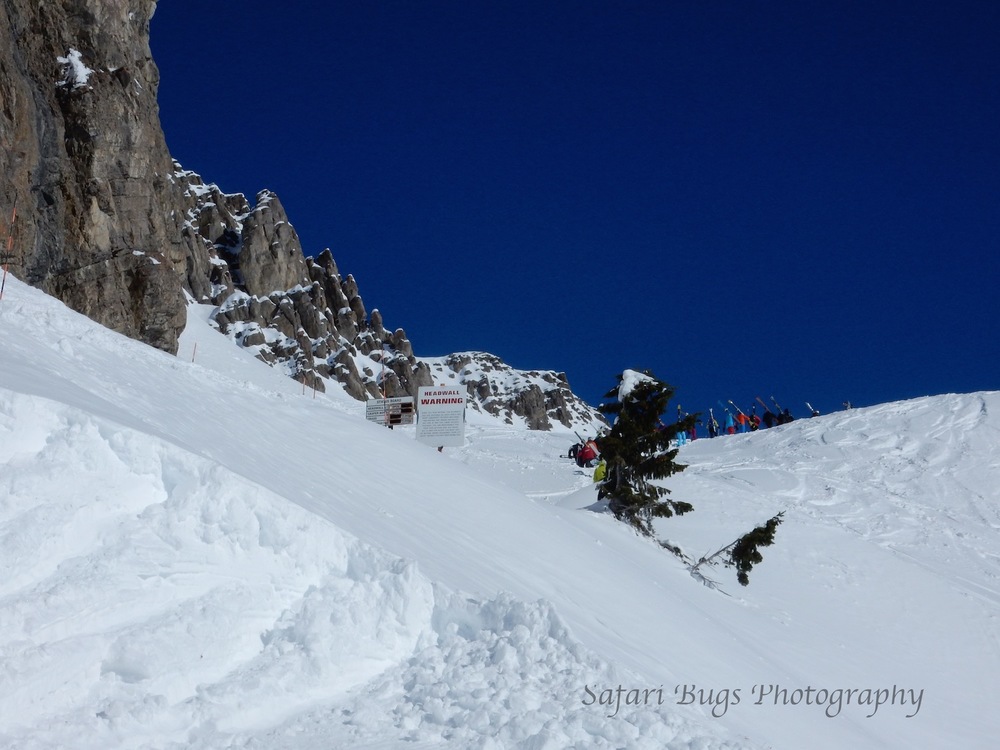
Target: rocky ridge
x=537, y=399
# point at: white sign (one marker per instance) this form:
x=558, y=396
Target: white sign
x=441, y=416
x=390, y=411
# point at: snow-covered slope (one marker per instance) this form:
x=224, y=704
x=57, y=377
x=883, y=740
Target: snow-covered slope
x=197, y=554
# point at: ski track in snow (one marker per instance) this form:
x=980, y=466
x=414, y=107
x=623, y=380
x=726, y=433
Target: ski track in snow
x=184, y=568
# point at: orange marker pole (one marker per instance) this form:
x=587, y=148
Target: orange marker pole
x=10, y=247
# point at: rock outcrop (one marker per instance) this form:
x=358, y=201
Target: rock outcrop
x=538, y=399
x=294, y=312
x=83, y=157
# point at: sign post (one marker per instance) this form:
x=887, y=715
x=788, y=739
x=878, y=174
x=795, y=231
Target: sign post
x=441, y=416
x=390, y=411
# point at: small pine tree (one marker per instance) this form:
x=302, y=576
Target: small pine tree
x=743, y=554
x=637, y=450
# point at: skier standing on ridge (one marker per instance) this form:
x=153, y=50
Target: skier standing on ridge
x=730, y=425
x=741, y=420
x=713, y=425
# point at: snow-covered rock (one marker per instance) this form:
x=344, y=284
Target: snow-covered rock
x=535, y=399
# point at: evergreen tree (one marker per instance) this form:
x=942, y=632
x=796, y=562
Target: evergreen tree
x=637, y=450
x=743, y=554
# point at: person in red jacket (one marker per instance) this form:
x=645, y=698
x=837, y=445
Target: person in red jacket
x=587, y=454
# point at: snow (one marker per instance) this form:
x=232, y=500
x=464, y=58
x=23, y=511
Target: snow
x=197, y=556
x=75, y=73
x=630, y=380
x=140, y=253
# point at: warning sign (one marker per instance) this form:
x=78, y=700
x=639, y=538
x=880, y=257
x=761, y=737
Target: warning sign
x=441, y=416
x=390, y=411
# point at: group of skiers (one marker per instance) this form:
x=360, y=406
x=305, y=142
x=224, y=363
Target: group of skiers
x=738, y=421
x=587, y=454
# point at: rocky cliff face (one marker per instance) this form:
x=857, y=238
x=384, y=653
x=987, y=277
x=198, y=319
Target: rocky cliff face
x=111, y=225
x=83, y=157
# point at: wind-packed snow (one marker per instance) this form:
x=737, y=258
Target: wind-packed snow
x=197, y=554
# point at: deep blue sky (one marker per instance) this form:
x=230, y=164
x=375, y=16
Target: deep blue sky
x=798, y=199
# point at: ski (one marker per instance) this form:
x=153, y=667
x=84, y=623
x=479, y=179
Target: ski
x=713, y=424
